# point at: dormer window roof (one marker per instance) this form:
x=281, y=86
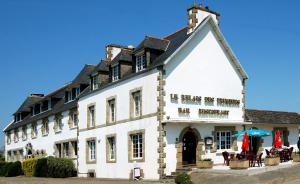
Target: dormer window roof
x=159, y=44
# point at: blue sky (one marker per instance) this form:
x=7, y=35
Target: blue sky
x=44, y=44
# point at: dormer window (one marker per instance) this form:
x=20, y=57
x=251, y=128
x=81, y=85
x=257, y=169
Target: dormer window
x=45, y=105
x=115, y=73
x=77, y=92
x=140, y=63
x=94, y=82
x=18, y=117
x=36, y=109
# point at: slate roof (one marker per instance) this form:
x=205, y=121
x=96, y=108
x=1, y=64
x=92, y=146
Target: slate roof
x=102, y=66
x=60, y=106
x=124, y=55
x=272, y=117
x=28, y=102
x=153, y=43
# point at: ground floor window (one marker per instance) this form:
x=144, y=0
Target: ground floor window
x=111, y=149
x=58, y=148
x=75, y=148
x=91, y=150
x=66, y=149
x=137, y=146
x=224, y=139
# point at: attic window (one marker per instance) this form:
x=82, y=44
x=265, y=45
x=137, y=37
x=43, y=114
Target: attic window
x=37, y=109
x=115, y=73
x=95, y=83
x=45, y=105
x=140, y=63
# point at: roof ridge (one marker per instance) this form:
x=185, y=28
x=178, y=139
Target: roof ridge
x=158, y=38
x=171, y=34
x=271, y=110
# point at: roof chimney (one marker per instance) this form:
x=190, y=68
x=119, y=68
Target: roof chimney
x=196, y=14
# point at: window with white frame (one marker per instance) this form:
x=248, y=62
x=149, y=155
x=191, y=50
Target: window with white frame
x=112, y=110
x=140, y=63
x=137, y=146
x=77, y=91
x=115, y=73
x=95, y=82
x=92, y=150
x=58, y=149
x=223, y=139
x=136, y=96
x=8, y=137
x=111, y=148
x=75, y=119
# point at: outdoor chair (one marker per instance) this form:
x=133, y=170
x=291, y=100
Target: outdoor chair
x=267, y=152
x=258, y=160
x=291, y=149
x=251, y=158
x=226, y=158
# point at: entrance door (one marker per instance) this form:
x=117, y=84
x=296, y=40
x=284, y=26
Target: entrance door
x=189, y=142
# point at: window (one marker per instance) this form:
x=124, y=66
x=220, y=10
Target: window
x=91, y=116
x=115, y=73
x=66, y=149
x=223, y=139
x=112, y=111
x=75, y=148
x=16, y=135
x=75, y=119
x=36, y=109
x=58, y=150
x=58, y=124
x=140, y=63
x=34, y=130
x=77, y=92
x=45, y=127
x=45, y=105
x=18, y=117
x=136, y=111
x=91, y=150
x=95, y=82
x=8, y=137
x=137, y=146
x=111, y=147
x=24, y=132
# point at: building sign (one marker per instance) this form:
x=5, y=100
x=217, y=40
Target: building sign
x=190, y=99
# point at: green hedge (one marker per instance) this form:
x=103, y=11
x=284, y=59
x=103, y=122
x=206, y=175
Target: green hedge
x=9, y=169
x=29, y=166
x=49, y=167
x=60, y=167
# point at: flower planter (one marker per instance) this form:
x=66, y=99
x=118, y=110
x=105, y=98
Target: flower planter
x=205, y=164
x=296, y=157
x=272, y=161
x=239, y=164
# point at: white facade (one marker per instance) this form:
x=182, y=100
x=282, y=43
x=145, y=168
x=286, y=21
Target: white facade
x=198, y=91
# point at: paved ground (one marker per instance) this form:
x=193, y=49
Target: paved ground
x=281, y=176
x=287, y=176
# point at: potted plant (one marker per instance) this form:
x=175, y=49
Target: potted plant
x=238, y=164
x=272, y=160
x=205, y=164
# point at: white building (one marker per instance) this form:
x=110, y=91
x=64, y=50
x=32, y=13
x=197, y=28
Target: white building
x=167, y=103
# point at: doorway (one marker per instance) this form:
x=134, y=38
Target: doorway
x=189, y=146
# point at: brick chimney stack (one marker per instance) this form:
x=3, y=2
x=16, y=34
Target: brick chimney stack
x=197, y=13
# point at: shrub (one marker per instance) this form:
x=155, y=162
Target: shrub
x=60, y=167
x=41, y=168
x=29, y=166
x=14, y=169
x=4, y=168
x=183, y=178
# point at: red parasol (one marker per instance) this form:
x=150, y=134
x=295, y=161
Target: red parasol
x=278, y=141
x=245, y=145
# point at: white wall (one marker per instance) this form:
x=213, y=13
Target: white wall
x=202, y=68
x=43, y=142
x=121, y=169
